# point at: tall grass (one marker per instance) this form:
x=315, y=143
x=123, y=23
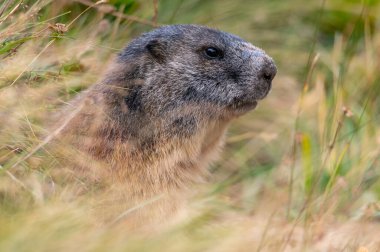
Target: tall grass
x=299, y=173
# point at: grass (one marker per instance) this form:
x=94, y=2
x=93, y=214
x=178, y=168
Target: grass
x=301, y=173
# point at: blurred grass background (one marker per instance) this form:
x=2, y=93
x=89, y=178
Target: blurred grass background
x=300, y=173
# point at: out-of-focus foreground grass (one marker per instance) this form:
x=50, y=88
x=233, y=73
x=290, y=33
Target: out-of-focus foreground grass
x=299, y=173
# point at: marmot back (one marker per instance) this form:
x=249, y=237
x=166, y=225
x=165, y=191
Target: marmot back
x=158, y=117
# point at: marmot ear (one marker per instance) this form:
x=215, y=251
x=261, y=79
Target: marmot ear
x=158, y=49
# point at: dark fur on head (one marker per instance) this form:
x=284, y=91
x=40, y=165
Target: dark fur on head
x=175, y=76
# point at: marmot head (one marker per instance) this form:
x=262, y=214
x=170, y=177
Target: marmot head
x=185, y=69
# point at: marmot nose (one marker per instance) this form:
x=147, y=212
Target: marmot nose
x=268, y=70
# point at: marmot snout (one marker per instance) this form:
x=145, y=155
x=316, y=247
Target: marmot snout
x=158, y=117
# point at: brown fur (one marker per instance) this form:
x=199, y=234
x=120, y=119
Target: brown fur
x=150, y=128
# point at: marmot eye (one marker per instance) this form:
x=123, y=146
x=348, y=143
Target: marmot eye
x=212, y=52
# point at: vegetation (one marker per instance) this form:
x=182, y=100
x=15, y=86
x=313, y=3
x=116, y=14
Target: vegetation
x=301, y=173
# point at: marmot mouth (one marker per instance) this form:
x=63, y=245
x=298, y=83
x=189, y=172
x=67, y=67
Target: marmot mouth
x=243, y=105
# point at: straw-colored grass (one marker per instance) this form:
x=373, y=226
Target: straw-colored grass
x=300, y=173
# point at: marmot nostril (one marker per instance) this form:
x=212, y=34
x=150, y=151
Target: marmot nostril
x=269, y=71
x=267, y=76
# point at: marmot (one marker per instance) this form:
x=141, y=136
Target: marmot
x=159, y=116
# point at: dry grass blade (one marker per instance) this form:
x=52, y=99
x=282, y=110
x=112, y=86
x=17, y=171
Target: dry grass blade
x=118, y=14
x=10, y=13
x=4, y=6
x=50, y=137
x=31, y=63
x=155, y=16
